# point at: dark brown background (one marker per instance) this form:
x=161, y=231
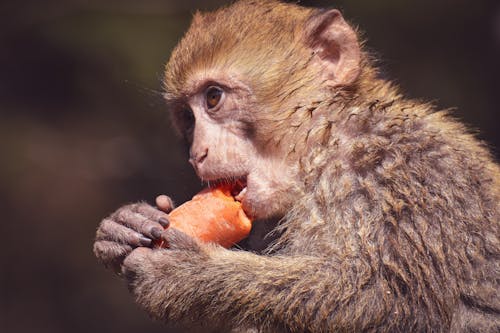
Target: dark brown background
x=83, y=129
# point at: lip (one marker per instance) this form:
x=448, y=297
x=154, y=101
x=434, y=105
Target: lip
x=236, y=185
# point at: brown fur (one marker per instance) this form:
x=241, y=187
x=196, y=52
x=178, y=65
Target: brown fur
x=397, y=225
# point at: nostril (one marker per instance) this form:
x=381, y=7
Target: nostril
x=202, y=157
x=196, y=159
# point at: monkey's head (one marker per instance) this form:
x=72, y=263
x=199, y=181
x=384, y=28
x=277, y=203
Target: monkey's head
x=242, y=86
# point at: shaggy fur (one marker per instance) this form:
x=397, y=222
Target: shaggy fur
x=397, y=226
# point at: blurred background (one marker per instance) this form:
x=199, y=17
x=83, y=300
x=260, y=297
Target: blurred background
x=83, y=130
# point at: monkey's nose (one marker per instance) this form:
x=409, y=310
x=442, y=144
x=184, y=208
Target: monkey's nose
x=198, y=158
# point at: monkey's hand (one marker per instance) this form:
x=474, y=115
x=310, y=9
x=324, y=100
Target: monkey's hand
x=193, y=282
x=151, y=273
x=179, y=248
x=131, y=226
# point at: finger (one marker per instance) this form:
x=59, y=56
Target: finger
x=178, y=240
x=113, y=231
x=154, y=214
x=111, y=254
x=151, y=212
x=164, y=203
x=141, y=223
x=165, y=222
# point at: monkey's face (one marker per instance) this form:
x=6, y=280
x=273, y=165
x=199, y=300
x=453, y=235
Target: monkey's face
x=243, y=84
x=216, y=120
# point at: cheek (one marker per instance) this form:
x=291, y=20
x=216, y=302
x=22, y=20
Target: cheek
x=228, y=155
x=234, y=152
x=270, y=193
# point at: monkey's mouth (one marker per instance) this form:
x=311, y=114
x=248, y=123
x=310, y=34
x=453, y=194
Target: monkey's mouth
x=237, y=186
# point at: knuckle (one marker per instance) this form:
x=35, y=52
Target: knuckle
x=109, y=252
x=141, y=206
x=106, y=223
x=122, y=215
x=147, y=210
x=100, y=234
x=141, y=220
x=134, y=238
x=99, y=249
x=104, y=229
x=103, y=251
x=126, y=209
x=148, y=226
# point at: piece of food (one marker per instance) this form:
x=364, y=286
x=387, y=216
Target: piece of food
x=213, y=215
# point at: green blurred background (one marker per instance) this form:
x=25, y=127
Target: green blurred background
x=83, y=130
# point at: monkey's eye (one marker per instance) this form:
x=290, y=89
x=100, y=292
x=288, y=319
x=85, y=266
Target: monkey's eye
x=213, y=96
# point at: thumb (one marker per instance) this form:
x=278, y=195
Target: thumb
x=164, y=203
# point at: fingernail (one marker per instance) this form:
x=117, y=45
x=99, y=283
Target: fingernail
x=145, y=241
x=156, y=233
x=164, y=222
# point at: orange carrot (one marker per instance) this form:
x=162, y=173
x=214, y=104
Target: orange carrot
x=213, y=215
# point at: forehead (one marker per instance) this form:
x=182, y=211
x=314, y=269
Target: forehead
x=243, y=36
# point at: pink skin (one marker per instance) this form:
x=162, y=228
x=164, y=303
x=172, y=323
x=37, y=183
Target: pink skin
x=267, y=194
x=221, y=150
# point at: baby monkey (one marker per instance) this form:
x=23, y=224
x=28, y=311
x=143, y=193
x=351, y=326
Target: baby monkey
x=389, y=208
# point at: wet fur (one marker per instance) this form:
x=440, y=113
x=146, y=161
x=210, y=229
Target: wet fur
x=397, y=224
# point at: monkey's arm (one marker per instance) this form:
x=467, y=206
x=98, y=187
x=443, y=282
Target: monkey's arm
x=220, y=286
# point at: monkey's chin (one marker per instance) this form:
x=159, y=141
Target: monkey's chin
x=259, y=206
x=250, y=206
x=259, y=210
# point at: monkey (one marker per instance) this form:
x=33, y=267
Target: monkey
x=389, y=207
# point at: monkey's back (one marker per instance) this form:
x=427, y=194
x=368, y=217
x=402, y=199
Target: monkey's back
x=407, y=195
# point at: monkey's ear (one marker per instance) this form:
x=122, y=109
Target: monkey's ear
x=335, y=45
